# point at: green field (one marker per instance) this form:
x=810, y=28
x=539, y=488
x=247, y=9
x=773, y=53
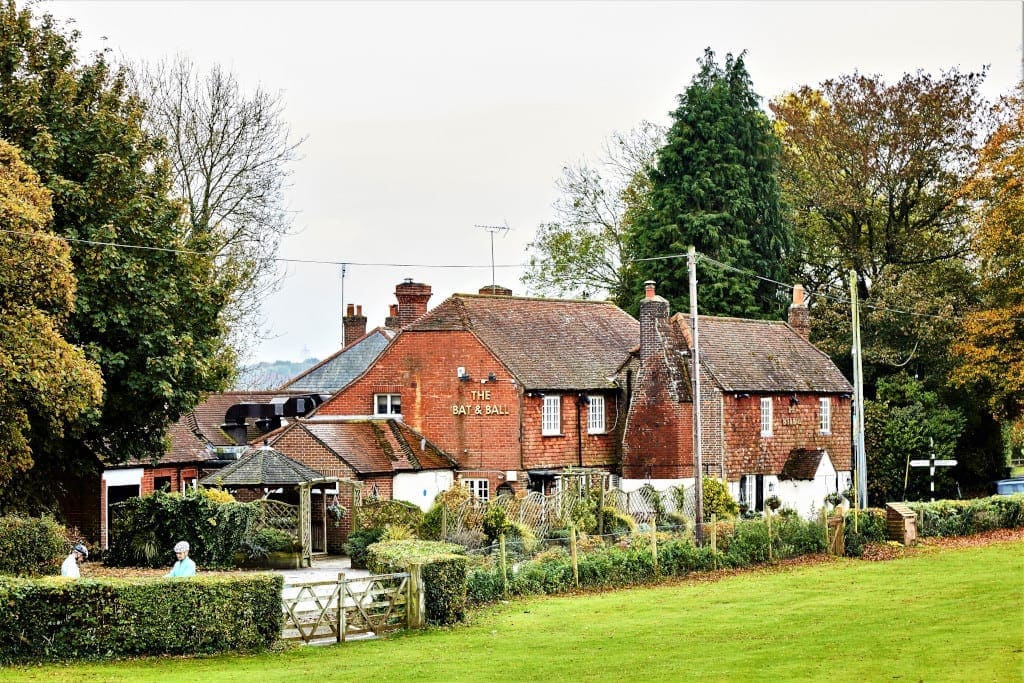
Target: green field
x=954, y=615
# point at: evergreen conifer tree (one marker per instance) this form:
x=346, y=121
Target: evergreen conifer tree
x=715, y=187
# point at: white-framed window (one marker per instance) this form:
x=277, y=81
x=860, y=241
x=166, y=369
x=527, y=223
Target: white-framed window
x=481, y=488
x=766, y=416
x=551, y=416
x=595, y=415
x=825, y=413
x=387, y=404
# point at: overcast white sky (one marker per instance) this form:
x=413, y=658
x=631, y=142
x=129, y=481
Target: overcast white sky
x=424, y=119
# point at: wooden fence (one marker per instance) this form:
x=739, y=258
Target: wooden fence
x=321, y=611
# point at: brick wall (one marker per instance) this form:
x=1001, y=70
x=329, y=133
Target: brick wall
x=489, y=427
x=795, y=425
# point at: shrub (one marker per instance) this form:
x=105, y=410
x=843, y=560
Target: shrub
x=397, y=532
x=870, y=529
x=31, y=546
x=444, y=573
x=748, y=545
x=483, y=585
x=385, y=557
x=219, y=496
x=617, y=522
x=964, y=517
x=357, y=543
x=56, y=619
x=681, y=557
x=495, y=523
x=378, y=514
x=792, y=536
x=717, y=500
x=269, y=540
x=144, y=530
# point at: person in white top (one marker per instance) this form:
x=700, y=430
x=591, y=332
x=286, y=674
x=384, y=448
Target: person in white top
x=70, y=566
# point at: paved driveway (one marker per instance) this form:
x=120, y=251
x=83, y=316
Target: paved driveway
x=325, y=568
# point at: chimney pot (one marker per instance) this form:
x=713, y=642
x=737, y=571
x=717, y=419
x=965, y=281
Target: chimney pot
x=649, y=289
x=799, y=314
x=349, y=311
x=359, y=310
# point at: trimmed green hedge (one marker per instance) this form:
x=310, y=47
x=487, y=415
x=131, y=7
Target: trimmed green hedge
x=965, y=517
x=357, y=543
x=31, y=546
x=54, y=619
x=444, y=573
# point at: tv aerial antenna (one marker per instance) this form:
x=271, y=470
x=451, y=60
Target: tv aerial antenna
x=503, y=229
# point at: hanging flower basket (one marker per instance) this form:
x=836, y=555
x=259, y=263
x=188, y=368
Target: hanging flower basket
x=336, y=512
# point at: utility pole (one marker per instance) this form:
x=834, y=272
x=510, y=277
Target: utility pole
x=858, y=386
x=493, y=229
x=698, y=470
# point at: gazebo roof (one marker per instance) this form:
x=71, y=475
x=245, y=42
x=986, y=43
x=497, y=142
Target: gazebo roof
x=265, y=467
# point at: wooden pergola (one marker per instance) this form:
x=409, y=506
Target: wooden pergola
x=266, y=468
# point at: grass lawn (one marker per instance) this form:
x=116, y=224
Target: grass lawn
x=950, y=615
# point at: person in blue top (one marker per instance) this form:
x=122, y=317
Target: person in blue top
x=184, y=566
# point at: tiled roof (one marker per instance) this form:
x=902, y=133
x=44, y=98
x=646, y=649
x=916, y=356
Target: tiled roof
x=376, y=446
x=335, y=372
x=802, y=464
x=763, y=356
x=262, y=467
x=545, y=343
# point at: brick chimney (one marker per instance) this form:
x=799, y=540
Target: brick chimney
x=799, y=315
x=495, y=290
x=412, y=300
x=652, y=309
x=354, y=324
x=391, y=322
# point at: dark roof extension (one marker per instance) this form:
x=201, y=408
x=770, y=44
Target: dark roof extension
x=263, y=467
x=802, y=464
x=336, y=371
x=545, y=343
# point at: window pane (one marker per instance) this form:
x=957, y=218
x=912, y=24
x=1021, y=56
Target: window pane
x=396, y=404
x=382, y=405
x=595, y=415
x=551, y=418
x=766, y=417
x=826, y=415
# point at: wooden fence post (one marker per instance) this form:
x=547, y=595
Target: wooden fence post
x=416, y=604
x=600, y=511
x=768, y=519
x=654, y=542
x=504, y=565
x=824, y=524
x=575, y=558
x=714, y=540
x=444, y=522
x=342, y=623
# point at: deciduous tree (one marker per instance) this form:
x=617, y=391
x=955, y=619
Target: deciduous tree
x=991, y=346
x=44, y=380
x=583, y=251
x=229, y=152
x=149, y=316
x=873, y=172
x=714, y=187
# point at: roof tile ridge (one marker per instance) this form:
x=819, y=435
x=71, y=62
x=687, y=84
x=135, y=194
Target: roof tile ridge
x=403, y=443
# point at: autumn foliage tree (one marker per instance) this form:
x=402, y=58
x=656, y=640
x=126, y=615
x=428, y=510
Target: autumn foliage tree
x=873, y=172
x=148, y=302
x=46, y=383
x=991, y=347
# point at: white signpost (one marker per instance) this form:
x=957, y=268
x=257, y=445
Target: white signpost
x=931, y=464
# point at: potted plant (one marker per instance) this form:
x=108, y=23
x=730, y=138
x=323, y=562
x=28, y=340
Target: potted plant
x=773, y=503
x=336, y=512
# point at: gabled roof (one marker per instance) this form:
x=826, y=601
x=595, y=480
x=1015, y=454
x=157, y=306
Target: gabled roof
x=209, y=414
x=802, y=464
x=763, y=356
x=336, y=371
x=263, y=467
x=373, y=446
x=545, y=343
